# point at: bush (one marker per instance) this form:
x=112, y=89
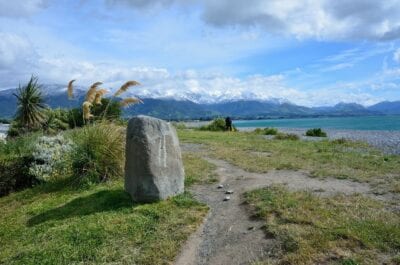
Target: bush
x=98, y=153
x=217, y=125
x=266, y=131
x=15, y=158
x=270, y=131
x=287, y=136
x=14, y=174
x=49, y=158
x=316, y=132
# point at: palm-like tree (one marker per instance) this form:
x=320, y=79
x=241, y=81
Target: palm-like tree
x=30, y=105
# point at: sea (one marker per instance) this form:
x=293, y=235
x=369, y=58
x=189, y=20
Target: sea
x=387, y=123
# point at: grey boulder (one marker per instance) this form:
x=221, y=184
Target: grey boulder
x=153, y=167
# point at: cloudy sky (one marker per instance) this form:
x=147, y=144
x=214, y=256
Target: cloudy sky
x=311, y=52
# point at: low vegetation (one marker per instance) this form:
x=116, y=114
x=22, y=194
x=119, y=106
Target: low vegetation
x=76, y=210
x=198, y=170
x=97, y=225
x=316, y=132
x=266, y=131
x=340, y=159
x=337, y=230
x=287, y=136
x=217, y=125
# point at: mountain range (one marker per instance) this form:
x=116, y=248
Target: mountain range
x=184, y=109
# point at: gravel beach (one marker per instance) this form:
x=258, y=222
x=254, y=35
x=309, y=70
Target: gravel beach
x=387, y=141
x=3, y=130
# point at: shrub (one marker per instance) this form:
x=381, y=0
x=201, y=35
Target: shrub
x=217, y=125
x=15, y=158
x=98, y=153
x=270, y=131
x=287, y=136
x=14, y=174
x=266, y=131
x=316, y=132
x=49, y=158
x=56, y=120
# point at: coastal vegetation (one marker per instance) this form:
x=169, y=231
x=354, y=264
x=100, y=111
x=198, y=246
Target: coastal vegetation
x=316, y=132
x=266, y=131
x=74, y=208
x=63, y=200
x=341, y=229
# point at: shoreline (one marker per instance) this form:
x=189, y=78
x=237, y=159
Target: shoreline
x=385, y=140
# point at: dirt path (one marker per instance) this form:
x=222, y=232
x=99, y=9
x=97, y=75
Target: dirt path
x=229, y=235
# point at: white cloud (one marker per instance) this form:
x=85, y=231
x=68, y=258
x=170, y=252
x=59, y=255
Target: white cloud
x=396, y=56
x=321, y=19
x=21, y=8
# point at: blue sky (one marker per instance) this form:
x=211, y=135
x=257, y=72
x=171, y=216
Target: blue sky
x=309, y=52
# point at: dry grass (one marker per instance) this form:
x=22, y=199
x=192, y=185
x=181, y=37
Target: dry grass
x=125, y=87
x=91, y=93
x=86, y=110
x=130, y=101
x=338, y=230
x=70, y=89
x=348, y=160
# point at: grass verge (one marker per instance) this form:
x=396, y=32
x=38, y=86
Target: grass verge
x=198, y=170
x=96, y=225
x=335, y=230
x=340, y=159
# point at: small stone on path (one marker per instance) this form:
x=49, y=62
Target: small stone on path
x=229, y=192
x=220, y=186
x=227, y=198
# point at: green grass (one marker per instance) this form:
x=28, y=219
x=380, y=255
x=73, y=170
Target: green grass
x=339, y=159
x=336, y=230
x=96, y=225
x=198, y=170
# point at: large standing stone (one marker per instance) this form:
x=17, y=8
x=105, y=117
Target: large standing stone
x=153, y=167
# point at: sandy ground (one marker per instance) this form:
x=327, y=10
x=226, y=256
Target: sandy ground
x=229, y=235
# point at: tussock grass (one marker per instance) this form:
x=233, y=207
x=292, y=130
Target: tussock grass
x=198, y=170
x=98, y=225
x=336, y=230
x=345, y=160
x=99, y=152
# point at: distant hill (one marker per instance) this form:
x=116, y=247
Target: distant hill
x=347, y=109
x=387, y=107
x=172, y=109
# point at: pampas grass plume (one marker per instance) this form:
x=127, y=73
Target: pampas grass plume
x=70, y=89
x=91, y=94
x=99, y=95
x=86, y=110
x=125, y=87
x=130, y=101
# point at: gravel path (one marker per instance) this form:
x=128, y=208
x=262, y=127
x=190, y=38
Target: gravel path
x=387, y=141
x=229, y=235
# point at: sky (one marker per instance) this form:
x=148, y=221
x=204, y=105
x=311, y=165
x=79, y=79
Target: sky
x=309, y=52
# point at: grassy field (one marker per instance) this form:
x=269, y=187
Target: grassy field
x=96, y=225
x=198, y=170
x=339, y=159
x=343, y=230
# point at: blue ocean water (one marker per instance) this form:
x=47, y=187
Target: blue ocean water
x=391, y=123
